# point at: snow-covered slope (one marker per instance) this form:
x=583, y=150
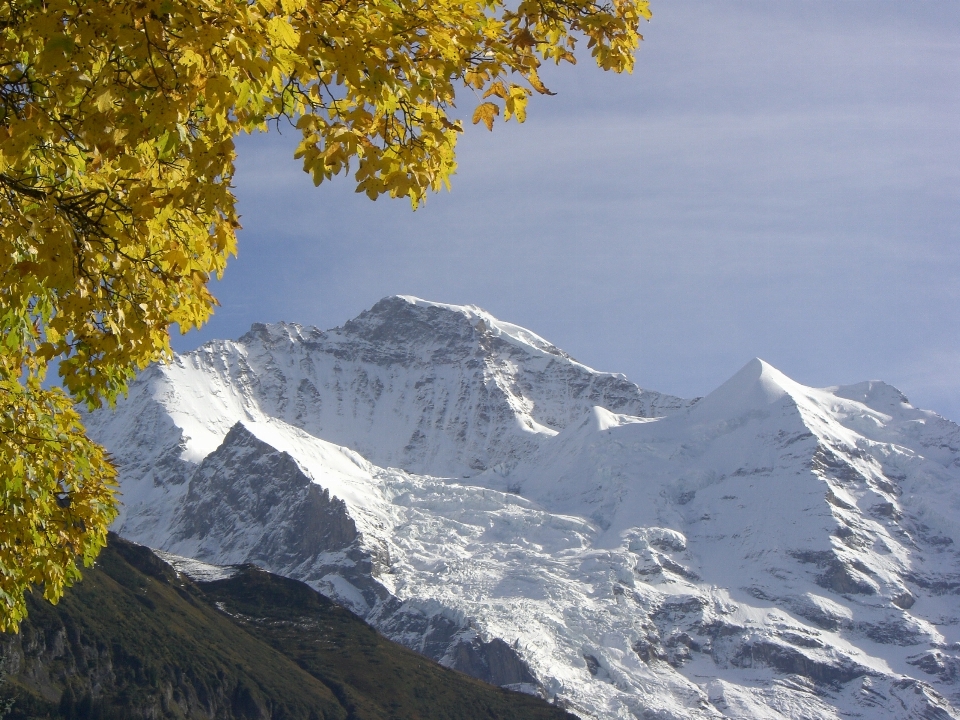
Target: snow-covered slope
x=436, y=389
x=770, y=551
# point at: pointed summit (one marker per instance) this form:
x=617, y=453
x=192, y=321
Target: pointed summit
x=484, y=322
x=399, y=321
x=754, y=388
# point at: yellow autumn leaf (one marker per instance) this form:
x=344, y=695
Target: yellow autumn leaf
x=516, y=104
x=497, y=89
x=534, y=80
x=486, y=112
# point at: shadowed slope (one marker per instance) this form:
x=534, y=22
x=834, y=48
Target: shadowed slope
x=136, y=639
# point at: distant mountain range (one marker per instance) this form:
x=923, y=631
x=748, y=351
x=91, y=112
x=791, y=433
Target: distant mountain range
x=768, y=551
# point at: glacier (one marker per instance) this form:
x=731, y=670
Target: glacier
x=768, y=551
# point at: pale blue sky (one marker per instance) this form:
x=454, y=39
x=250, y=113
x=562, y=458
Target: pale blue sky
x=776, y=179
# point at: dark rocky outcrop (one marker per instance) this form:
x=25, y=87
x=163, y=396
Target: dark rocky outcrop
x=789, y=660
x=494, y=662
x=247, y=483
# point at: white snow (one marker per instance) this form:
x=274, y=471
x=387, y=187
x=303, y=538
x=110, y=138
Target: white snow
x=341, y=471
x=771, y=551
x=196, y=570
x=518, y=335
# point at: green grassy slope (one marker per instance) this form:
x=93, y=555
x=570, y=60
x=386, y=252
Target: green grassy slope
x=134, y=640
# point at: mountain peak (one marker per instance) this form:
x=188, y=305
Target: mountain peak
x=875, y=394
x=446, y=390
x=401, y=319
x=755, y=387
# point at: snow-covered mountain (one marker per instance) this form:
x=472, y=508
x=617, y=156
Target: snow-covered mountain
x=769, y=551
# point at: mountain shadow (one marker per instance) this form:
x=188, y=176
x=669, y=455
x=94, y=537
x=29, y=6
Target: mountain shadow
x=135, y=639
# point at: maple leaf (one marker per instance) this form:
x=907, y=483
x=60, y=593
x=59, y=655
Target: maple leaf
x=486, y=112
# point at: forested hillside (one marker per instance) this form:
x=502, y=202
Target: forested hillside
x=136, y=639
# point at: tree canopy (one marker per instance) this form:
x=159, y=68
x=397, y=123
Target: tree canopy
x=117, y=127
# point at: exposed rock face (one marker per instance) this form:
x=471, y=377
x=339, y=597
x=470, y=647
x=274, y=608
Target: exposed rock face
x=246, y=483
x=771, y=550
x=494, y=661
